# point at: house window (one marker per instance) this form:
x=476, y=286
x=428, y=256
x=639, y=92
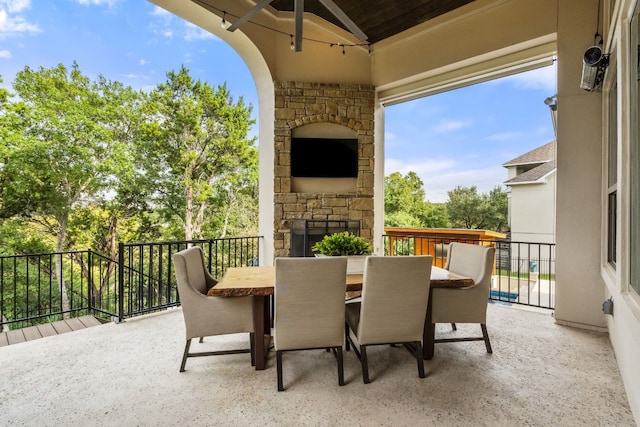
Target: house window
x=612, y=174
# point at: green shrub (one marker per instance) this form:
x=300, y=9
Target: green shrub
x=342, y=244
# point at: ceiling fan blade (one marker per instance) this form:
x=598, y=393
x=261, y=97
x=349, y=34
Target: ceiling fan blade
x=338, y=13
x=257, y=8
x=299, y=12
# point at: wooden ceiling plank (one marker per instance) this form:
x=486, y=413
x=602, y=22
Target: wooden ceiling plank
x=338, y=13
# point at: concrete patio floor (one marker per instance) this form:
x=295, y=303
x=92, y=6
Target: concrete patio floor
x=540, y=374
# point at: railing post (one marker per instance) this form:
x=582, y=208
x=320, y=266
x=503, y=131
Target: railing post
x=120, y=282
x=90, y=282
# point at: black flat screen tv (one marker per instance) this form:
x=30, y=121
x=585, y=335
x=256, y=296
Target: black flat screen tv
x=324, y=157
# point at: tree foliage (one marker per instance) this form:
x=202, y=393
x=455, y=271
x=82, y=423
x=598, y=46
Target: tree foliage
x=87, y=163
x=468, y=209
x=405, y=204
x=197, y=138
x=90, y=162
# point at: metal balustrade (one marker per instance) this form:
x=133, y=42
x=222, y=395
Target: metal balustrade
x=140, y=281
x=524, y=272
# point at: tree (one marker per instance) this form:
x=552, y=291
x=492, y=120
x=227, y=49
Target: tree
x=197, y=138
x=405, y=205
x=468, y=209
x=66, y=156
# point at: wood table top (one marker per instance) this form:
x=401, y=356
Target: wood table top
x=259, y=281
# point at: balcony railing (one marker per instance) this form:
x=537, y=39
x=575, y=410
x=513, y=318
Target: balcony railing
x=140, y=281
x=524, y=272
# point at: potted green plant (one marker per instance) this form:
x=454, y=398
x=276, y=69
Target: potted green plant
x=355, y=248
x=342, y=244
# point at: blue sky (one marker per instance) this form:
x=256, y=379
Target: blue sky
x=460, y=137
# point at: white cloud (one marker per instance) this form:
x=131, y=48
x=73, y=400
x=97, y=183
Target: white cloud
x=443, y=175
x=158, y=11
x=437, y=186
x=15, y=6
x=503, y=136
x=193, y=32
x=538, y=79
x=143, y=62
x=12, y=24
x=5, y=54
x=109, y=3
x=450, y=125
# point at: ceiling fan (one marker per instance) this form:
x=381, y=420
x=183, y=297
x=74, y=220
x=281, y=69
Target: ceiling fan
x=298, y=14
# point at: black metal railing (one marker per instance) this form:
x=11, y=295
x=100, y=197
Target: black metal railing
x=147, y=281
x=41, y=288
x=524, y=272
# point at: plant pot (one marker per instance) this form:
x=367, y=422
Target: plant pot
x=355, y=263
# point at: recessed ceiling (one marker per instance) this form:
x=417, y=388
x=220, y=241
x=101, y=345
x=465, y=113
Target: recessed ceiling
x=378, y=19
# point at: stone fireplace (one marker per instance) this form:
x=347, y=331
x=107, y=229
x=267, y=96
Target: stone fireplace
x=321, y=110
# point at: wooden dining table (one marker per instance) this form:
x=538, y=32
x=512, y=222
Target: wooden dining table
x=258, y=282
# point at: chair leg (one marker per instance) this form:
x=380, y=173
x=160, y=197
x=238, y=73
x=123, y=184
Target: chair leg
x=365, y=364
x=279, y=369
x=453, y=325
x=347, y=346
x=419, y=359
x=340, y=367
x=487, y=343
x=185, y=355
x=252, y=347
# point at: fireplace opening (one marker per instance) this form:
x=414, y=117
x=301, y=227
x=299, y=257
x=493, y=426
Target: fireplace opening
x=307, y=232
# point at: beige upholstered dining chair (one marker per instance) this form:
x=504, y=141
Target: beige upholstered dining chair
x=204, y=315
x=465, y=305
x=395, y=293
x=309, y=307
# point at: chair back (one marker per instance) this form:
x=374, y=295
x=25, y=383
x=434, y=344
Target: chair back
x=204, y=315
x=395, y=294
x=309, y=302
x=475, y=261
x=190, y=271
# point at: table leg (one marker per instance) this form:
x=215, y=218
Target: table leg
x=262, y=328
x=428, y=334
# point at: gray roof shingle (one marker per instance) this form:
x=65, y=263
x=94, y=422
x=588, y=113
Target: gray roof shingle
x=533, y=175
x=541, y=154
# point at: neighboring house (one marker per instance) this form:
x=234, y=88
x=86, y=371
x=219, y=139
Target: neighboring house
x=532, y=195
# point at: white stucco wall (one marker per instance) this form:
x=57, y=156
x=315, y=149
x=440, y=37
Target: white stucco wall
x=580, y=289
x=624, y=324
x=533, y=212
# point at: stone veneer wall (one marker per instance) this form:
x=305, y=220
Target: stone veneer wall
x=298, y=104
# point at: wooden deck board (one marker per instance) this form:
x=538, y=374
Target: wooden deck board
x=47, y=329
x=89, y=321
x=31, y=333
x=15, y=336
x=75, y=324
x=61, y=327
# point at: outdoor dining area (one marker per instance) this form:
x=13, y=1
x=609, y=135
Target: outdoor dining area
x=540, y=374
x=309, y=308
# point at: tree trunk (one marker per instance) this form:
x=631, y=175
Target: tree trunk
x=64, y=298
x=188, y=215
